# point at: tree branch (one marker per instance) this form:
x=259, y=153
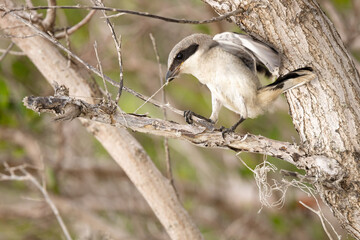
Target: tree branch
x=70, y=108
x=124, y=11
x=325, y=112
x=49, y=21
x=97, y=72
x=77, y=26
x=26, y=176
x=124, y=149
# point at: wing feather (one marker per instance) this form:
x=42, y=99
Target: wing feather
x=236, y=44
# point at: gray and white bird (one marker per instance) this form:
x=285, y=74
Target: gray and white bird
x=228, y=64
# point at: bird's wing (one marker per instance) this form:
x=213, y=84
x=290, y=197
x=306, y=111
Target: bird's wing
x=236, y=43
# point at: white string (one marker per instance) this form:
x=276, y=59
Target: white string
x=151, y=97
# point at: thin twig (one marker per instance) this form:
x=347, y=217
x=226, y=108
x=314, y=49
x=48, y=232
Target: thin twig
x=118, y=49
x=16, y=53
x=121, y=81
x=67, y=41
x=51, y=204
x=77, y=26
x=15, y=36
x=166, y=142
x=321, y=219
x=143, y=14
x=49, y=21
x=28, y=177
x=101, y=71
x=310, y=192
x=94, y=70
x=7, y=50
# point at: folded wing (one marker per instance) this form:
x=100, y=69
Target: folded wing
x=240, y=45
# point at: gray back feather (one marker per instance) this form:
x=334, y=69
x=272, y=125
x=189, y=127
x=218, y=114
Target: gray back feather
x=237, y=44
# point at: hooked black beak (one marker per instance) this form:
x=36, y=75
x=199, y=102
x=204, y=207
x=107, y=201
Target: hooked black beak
x=172, y=74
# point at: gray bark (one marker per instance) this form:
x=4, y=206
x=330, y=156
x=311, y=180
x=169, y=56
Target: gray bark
x=120, y=144
x=326, y=112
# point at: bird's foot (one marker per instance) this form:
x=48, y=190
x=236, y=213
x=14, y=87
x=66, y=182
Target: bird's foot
x=231, y=129
x=208, y=123
x=225, y=131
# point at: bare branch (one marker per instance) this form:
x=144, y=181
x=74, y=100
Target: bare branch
x=118, y=50
x=121, y=81
x=124, y=11
x=67, y=41
x=101, y=71
x=49, y=21
x=197, y=135
x=321, y=166
x=166, y=144
x=26, y=176
x=127, y=153
x=97, y=72
x=16, y=53
x=6, y=51
x=77, y=26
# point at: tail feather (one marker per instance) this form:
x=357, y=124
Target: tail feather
x=286, y=82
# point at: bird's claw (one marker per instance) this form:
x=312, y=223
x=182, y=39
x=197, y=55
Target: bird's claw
x=225, y=131
x=231, y=129
x=189, y=119
x=188, y=116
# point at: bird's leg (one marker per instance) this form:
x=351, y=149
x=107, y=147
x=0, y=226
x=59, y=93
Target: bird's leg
x=216, y=106
x=232, y=128
x=189, y=114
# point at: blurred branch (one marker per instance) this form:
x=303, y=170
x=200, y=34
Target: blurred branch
x=97, y=72
x=123, y=147
x=117, y=43
x=77, y=26
x=71, y=108
x=163, y=96
x=49, y=21
x=12, y=52
x=7, y=50
x=26, y=176
x=124, y=11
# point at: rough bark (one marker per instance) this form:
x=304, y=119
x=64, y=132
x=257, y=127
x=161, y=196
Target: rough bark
x=70, y=108
x=124, y=148
x=326, y=112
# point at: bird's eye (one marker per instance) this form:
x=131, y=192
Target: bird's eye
x=179, y=56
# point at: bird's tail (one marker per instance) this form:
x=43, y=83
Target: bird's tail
x=286, y=82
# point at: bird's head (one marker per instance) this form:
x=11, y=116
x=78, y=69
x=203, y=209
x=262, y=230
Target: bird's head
x=183, y=52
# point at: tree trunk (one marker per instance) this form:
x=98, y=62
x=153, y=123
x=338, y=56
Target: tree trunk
x=120, y=144
x=325, y=112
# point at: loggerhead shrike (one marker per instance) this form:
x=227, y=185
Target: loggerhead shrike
x=228, y=65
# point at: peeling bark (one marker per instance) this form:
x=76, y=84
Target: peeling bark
x=326, y=112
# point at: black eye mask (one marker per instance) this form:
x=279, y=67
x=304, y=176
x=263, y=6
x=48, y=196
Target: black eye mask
x=182, y=55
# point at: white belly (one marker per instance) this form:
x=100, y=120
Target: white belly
x=229, y=80
x=237, y=93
